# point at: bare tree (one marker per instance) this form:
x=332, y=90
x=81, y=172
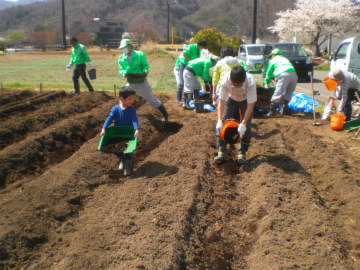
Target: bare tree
x=42, y=39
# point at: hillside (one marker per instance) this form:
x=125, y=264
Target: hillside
x=229, y=16
x=7, y=3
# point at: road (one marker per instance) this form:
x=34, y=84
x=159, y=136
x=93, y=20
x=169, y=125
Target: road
x=305, y=87
x=318, y=85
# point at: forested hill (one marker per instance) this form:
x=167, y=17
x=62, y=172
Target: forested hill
x=8, y=3
x=229, y=16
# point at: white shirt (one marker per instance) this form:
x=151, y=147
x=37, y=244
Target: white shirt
x=246, y=91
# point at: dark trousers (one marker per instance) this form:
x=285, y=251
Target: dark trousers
x=347, y=105
x=232, y=110
x=80, y=70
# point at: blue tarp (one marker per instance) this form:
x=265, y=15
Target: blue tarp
x=207, y=107
x=300, y=102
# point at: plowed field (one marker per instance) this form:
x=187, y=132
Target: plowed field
x=65, y=205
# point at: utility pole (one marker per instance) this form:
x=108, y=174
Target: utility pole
x=253, y=39
x=168, y=3
x=63, y=25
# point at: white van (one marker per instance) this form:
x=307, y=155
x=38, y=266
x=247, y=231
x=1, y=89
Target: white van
x=252, y=54
x=347, y=57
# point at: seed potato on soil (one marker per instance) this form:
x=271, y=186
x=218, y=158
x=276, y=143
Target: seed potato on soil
x=66, y=205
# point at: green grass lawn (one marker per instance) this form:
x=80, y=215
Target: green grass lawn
x=27, y=71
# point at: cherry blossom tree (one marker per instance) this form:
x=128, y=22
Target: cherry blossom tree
x=317, y=20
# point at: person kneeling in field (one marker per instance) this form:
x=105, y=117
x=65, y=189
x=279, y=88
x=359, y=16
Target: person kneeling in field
x=198, y=67
x=124, y=114
x=237, y=96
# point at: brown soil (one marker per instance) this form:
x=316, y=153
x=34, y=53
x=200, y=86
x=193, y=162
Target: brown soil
x=66, y=205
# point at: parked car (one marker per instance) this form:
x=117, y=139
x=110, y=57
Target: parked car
x=347, y=56
x=252, y=54
x=296, y=55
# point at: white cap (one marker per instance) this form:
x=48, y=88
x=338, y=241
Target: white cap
x=124, y=43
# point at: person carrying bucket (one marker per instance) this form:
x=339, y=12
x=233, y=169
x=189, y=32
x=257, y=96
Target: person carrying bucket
x=134, y=67
x=222, y=67
x=347, y=85
x=198, y=67
x=124, y=114
x=79, y=57
x=237, y=96
x=191, y=52
x=286, y=80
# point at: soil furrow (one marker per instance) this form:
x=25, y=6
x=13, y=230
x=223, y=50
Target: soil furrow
x=30, y=104
x=57, y=206
x=17, y=128
x=10, y=96
x=50, y=146
x=295, y=205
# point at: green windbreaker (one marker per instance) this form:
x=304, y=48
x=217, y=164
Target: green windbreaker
x=79, y=55
x=277, y=65
x=201, y=67
x=191, y=51
x=138, y=64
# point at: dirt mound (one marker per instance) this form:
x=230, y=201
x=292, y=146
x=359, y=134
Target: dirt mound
x=65, y=205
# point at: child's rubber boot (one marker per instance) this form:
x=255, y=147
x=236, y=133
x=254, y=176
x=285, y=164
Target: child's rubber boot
x=219, y=158
x=127, y=167
x=241, y=160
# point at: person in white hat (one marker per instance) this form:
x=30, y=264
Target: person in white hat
x=348, y=84
x=134, y=67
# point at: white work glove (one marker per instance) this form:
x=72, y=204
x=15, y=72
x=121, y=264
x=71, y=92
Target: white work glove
x=241, y=130
x=90, y=64
x=68, y=67
x=219, y=126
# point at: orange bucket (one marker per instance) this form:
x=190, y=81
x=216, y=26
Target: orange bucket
x=330, y=83
x=337, y=121
x=229, y=133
